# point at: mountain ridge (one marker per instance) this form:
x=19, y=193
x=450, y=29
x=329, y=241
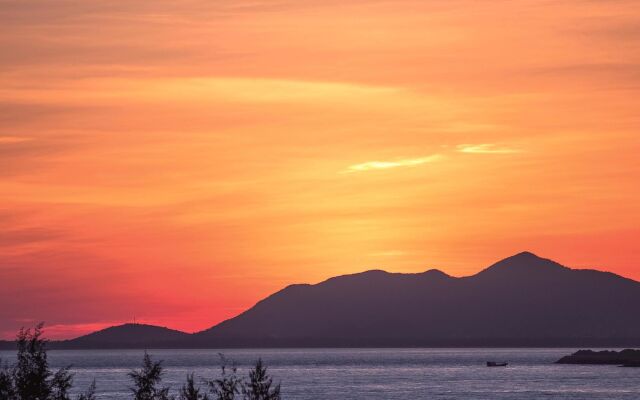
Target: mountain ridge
x=522, y=300
x=129, y=335
x=497, y=305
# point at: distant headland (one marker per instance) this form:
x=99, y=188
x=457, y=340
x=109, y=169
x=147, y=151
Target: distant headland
x=624, y=358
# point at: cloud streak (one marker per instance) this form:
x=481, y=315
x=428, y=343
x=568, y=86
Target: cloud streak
x=16, y=237
x=389, y=253
x=407, y=162
x=13, y=139
x=486, y=148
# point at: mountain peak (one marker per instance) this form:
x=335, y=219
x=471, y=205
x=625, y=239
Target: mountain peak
x=436, y=273
x=129, y=336
x=524, y=263
x=521, y=300
x=525, y=254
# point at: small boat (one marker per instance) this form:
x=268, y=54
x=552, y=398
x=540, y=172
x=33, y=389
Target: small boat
x=496, y=364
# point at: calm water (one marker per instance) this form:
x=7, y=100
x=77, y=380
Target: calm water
x=373, y=373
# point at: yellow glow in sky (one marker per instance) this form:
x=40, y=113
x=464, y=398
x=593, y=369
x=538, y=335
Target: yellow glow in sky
x=178, y=162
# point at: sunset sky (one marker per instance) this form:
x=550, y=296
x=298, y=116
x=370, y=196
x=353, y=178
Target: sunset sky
x=177, y=161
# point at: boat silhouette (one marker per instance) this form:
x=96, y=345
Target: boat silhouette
x=496, y=364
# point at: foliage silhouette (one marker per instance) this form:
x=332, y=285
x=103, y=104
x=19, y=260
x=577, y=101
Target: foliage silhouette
x=259, y=385
x=229, y=384
x=31, y=375
x=189, y=391
x=147, y=379
x=31, y=378
x=7, y=390
x=90, y=394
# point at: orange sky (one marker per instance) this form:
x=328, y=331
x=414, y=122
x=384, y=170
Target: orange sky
x=178, y=161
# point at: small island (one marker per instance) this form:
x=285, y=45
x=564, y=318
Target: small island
x=624, y=358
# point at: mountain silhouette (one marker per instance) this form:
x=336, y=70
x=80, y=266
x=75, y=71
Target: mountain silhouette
x=521, y=300
x=128, y=336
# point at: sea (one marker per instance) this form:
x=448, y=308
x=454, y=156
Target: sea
x=360, y=374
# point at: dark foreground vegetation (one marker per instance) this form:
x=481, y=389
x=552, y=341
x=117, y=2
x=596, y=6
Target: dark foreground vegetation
x=31, y=378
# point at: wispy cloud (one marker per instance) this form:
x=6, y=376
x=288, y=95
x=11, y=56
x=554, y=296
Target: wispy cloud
x=486, y=148
x=407, y=162
x=389, y=253
x=13, y=139
x=15, y=237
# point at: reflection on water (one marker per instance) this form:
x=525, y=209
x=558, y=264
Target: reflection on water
x=372, y=373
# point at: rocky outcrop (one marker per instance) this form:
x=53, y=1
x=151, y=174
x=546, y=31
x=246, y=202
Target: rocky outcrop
x=625, y=358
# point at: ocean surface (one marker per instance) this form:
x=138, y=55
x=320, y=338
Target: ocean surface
x=370, y=373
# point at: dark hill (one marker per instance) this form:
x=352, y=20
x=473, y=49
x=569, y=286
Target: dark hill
x=7, y=345
x=625, y=358
x=127, y=336
x=523, y=300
